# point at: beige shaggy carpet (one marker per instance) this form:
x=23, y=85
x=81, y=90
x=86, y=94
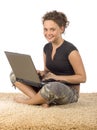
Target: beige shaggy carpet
x=75, y=116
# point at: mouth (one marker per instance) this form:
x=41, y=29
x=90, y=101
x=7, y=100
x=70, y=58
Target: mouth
x=50, y=38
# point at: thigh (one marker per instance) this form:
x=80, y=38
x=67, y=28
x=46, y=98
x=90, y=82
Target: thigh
x=58, y=93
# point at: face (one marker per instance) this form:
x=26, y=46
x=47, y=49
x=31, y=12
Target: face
x=52, y=31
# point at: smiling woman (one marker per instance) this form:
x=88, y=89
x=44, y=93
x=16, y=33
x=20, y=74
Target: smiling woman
x=61, y=73
x=21, y=31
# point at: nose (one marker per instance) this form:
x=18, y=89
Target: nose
x=48, y=32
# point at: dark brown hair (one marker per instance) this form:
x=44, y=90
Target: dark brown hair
x=58, y=17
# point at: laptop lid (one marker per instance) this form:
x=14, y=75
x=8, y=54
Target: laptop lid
x=23, y=68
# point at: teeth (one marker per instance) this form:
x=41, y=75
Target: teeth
x=49, y=37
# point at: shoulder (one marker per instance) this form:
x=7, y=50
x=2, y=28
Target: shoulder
x=47, y=46
x=69, y=47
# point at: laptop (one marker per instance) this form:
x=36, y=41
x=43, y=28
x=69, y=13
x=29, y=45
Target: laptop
x=24, y=69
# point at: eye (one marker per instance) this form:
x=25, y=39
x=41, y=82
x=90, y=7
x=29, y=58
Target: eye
x=45, y=29
x=52, y=29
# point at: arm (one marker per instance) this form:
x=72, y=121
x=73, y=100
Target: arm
x=77, y=64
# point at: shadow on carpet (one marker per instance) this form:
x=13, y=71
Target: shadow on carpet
x=76, y=116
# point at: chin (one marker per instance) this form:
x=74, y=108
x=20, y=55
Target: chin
x=50, y=40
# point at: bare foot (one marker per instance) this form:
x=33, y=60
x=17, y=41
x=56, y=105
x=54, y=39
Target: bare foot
x=45, y=105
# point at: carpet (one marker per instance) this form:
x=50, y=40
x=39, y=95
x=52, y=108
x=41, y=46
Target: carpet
x=76, y=116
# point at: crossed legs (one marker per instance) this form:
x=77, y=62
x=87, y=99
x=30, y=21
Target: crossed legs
x=34, y=98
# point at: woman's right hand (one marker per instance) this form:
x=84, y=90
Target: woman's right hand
x=41, y=73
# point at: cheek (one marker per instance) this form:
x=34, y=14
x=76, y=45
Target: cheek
x=44, y=34
x=56, y=34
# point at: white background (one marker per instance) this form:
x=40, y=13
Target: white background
x=21, y=31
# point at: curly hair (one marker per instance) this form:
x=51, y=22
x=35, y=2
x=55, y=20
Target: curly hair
x=58, y=17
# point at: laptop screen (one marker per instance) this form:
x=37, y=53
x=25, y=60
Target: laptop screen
x=23, y=67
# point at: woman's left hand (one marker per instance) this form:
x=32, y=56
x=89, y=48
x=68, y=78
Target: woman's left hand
x=49, y=75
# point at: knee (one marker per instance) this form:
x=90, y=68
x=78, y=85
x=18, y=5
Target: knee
x=12, y=77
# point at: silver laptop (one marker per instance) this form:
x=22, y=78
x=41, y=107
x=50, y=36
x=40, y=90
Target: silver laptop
x=24, y=69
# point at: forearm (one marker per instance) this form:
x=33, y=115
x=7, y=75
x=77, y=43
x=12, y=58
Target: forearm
x=74, y=79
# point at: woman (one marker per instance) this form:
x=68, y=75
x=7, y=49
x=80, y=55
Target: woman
x=62, y=63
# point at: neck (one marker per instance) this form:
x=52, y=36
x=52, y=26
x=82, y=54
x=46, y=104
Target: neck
x=58, y=43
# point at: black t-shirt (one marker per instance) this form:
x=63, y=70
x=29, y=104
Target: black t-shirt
x=60, y=64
